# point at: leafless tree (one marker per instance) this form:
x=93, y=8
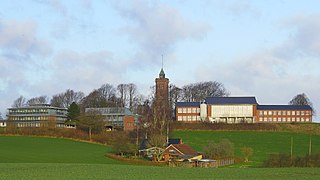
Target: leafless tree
x=65, y=99
x=20, y=102
x=122, y=91
x=201, y=90
x=107, y=91
x=38, y=100
x=302, y=100
x=132, y=93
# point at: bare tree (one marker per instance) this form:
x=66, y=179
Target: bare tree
x=175, y=95
x=20, y=102
x=122, y=91
x=67, y=98
x=38, y=100
x=302, y=100
x=132, y=92
x=201, y=90
x=107, y=91
x=91, y=120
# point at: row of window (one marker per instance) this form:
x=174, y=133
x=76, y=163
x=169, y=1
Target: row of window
x=30, y=124
x=189, y=118
x=189, y=110
x=36, y=118
x=37, y=111
x=284, y=113
x=283, y=119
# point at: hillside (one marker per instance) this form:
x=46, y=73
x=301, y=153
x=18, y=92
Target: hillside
x=263, y=143
x=26, y=149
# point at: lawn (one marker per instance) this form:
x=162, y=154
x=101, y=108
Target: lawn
x=24, y=149
x=262, y=143
x=109, y=171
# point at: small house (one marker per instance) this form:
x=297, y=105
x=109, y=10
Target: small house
x=180, y=152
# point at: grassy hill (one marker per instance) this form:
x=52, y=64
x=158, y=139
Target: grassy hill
x=263, y=143
x=52, y=158
x=24, y=149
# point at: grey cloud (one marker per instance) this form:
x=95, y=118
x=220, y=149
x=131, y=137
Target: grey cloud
x=19, y=39
x=157, y=28
x=84, y=71
x=305, y=38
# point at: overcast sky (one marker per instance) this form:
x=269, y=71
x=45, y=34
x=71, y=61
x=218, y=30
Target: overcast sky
x=269, y=49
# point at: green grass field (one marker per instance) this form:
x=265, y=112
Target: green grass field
x=23, y=149
x=53, y=158
x=110, y=171
x=263, y=143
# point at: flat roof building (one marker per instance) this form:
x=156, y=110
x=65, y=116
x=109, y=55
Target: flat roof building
x=240, y=110
x=38, y=115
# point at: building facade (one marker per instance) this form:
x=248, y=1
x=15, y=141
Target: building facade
x=116, y=117
x=39, y=115
x=240, y=110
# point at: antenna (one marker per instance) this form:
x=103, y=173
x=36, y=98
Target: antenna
x=162, y=60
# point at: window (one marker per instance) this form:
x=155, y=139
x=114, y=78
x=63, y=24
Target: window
x=279, y=113
x=270, y=113
x=270, y=119
x=274, y=119
x=298, y=113
x=307, y=113
x=284, y=119
x=302, y=113
x=302, y=119
x=260, y=113
x=289, y=119
x=274, y=113
x=198, y=110
x=265, y=119
x=288, y=112
x=189, y=110
x=264, y=112
x=184, y=118
x=279, y=118
x=298, y=119
x=179, y=118
x=293, y=113
x=260, y=118
x=179, y=110
x=293, y=119
x=194, y=110
x=284, y=113
x=184, y=110
x=307, y=119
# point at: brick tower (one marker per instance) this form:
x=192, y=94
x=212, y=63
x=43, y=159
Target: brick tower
x=162, y=89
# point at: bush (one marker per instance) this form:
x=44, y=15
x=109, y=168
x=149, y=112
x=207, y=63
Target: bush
x=284, y=160
x=223, y=149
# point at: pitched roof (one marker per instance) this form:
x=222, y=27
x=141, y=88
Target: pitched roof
x=187, y=104
x=283, y=107
x=183, y=149
x=231, y=100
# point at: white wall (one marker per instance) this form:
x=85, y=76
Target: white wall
x=231, y=111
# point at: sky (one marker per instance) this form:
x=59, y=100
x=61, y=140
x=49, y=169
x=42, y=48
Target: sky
x=269, y=49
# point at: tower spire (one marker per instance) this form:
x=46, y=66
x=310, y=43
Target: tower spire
x=162, y=74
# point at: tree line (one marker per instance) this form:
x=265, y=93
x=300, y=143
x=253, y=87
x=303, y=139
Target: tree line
x=125, y=95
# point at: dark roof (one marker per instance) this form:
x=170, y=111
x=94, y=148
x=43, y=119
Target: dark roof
x=174, y=141
x=283, y=107
x=231, y=100
x=187, y=104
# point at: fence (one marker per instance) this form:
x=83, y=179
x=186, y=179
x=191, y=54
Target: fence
x=204, y=163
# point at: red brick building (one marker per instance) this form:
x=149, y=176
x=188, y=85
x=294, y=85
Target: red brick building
x=240, y=110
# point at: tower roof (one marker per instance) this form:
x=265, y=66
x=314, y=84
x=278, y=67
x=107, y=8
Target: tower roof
x=162, y=74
